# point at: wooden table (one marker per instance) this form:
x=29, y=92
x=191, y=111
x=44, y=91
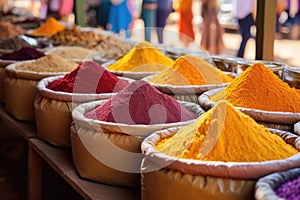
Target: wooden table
x=25, y=129
x=61, y=161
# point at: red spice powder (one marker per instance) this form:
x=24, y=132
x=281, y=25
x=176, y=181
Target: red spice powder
x=89, y=77
x=141, y=103
x=25, y=53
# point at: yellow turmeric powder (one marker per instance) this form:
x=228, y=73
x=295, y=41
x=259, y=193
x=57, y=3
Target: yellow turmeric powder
x=191, y=70
x=226, y=134
x=50, y=27
x=143, y=57
x=259, y=88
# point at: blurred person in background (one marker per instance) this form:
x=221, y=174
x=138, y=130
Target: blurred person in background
x=244, y=11
x=281, y=7
x=292, y=22
x=120, y=17
x=149, y=17
x=5, y=6
x=65, y=9
x=102, y=13
x=211, y=37
x=98, y=12
x=59, y=9
x=186, y=30
x=39, y=8
x=164, y=8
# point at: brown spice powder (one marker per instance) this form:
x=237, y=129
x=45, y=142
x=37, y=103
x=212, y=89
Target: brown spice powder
x=49, y=63
x=8, y=30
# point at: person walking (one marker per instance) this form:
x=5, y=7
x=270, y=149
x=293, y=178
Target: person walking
x=244, y=11
x=164, y=8
x=211, y=39
x=186, y=30
x=119, y=17
x=149, y=17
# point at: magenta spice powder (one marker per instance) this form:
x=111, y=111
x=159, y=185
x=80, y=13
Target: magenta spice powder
x=141, y=103
x=89, y=77
x=25, y=53
x=290, y=190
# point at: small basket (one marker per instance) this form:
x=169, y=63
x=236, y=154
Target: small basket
x=225, y=63
x=266, y=186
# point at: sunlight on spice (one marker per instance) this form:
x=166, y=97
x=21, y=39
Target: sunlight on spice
x=259, y=88
x=191, y=70
x=143, y=57
x=226, y=134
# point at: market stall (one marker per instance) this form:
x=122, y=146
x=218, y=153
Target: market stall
x=124, y=119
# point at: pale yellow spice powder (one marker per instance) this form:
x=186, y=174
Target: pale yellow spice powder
x=73, y=52
x=48, y=63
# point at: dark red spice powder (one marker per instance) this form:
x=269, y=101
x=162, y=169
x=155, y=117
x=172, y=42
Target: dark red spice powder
x=89, y=77
x=25, y=53
x=141, y=103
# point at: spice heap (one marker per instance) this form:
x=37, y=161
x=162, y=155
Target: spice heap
x=259, y=88
x=50, y=27
x=143, y=57
x=12, y=19
x=25, y=53
x=191, y=70
x=289, y=190
x=15, y=43
x=72, y=52
x=8, y=30
x=226, y=134
x=48, y=63
x=75, y=36
x=113, y=48
x=141, y=103
x=88, y=77
x=27, y=22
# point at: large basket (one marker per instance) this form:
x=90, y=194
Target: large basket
x=110, y=152
x=3, y=64
x=168, y=177
x=53, y=111
x=20, y=90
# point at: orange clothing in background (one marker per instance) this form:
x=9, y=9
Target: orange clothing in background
x=186, y=21
x=212, y=31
